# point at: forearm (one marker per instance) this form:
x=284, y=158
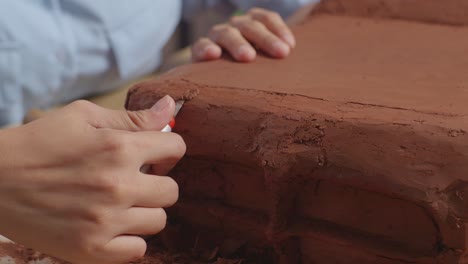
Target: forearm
x=10, y=159
x=11, y=141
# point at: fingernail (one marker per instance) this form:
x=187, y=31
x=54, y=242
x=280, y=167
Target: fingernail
x=280, y=49
x=290, y=40
x=162, y=104
x=245, y=52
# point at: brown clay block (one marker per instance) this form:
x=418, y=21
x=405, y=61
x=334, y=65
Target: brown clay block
x=351, y=150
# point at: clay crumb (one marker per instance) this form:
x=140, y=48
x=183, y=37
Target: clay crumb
x=456, y=132
x=190, y=94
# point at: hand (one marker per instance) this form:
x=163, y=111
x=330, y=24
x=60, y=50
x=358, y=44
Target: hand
x=71, y=186
x=258, y=28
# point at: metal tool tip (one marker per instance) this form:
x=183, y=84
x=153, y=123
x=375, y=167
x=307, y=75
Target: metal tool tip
x=178, y=106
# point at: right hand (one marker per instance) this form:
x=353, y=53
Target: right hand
x=258, y=28
x=71, y=186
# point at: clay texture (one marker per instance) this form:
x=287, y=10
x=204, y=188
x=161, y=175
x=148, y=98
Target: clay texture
x=351, y=150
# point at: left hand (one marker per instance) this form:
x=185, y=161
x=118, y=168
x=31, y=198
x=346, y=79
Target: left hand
x=259, y=28
x=71, y=183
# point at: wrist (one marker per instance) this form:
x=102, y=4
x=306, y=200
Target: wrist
x=10, y=151
x=7, y=176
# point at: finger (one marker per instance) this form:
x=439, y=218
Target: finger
x=232, y=40
x=260, y=36
x=205, y=50
x=143, y=221
x=275, y=24
x=160, y=149
x=124, y=248
x=155, y=118
x=154, y=191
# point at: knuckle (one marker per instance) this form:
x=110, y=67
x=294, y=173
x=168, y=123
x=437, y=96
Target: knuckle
x=235, y=20
x=100, y=222
x=274, y=16
x=105, y=182
x=82, y=106
x=271, y=18
x=224, y=29
x=115, y=192
x=217, y=28
x=138, y=119
x=244, y=25
x=94, y=215
x=228, y=31
x=119, y=146
x=111, y=141
x=266, y=16
x=88, y=245
x=257, y=25
x=232, y=31
x=112, y=190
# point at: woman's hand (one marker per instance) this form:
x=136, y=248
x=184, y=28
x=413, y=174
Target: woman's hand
x=259, y=28
x=71, y=186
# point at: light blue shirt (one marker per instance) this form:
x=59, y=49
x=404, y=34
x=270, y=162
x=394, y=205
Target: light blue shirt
x=55, y=51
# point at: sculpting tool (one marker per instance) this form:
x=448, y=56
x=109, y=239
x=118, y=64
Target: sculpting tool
x=168, y=128
x=171, y=125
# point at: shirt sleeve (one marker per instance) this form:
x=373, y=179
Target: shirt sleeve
x=10, y=109
x=66, y=50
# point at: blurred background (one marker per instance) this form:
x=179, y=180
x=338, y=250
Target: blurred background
x=197, y=17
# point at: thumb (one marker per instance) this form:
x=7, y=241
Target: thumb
x=155, y=118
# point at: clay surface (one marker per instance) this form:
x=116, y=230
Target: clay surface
x=351, y=150
x=11, y=253
x=450, y=12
